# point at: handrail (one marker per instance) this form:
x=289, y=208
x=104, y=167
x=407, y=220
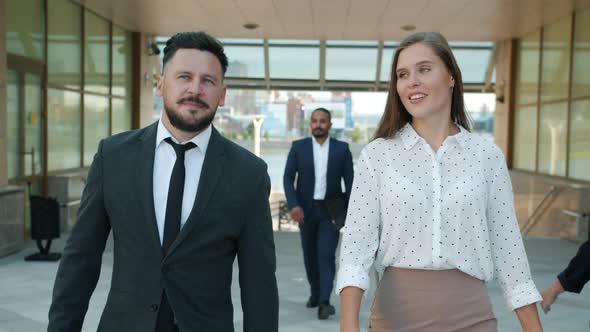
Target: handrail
x=532, y=220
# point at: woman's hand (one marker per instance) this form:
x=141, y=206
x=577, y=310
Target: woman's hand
x=350, y=305
x=529, y=318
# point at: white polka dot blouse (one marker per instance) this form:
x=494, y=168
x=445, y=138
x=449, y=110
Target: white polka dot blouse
x=412, y=207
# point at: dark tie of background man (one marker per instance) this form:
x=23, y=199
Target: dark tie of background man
x=172, y=225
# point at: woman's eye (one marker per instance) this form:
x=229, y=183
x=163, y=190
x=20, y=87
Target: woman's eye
x=402, y=75
x=424, y=69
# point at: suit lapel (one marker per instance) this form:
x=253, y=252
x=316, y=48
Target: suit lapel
x=331, y=161
x=309, y=152
x=209, y=178
x=144, y=182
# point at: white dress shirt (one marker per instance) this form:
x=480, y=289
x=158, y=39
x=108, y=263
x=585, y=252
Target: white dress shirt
x=320, y=165
x=164, y=162
x=412, y=207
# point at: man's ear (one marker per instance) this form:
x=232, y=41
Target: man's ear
x=222, y=98
x=159, y=85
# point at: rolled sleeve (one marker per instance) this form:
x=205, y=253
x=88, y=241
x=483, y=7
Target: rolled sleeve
x=511, y=266
x=361, y=233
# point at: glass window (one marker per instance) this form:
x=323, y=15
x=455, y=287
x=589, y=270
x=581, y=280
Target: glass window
x=121, y=115
x=579, y=162
x=25, y=28
x=352, y=43
x=552, y=139
x=525, y=137
x=245, y=61
x=122, y=62
x=581, y=64
x=294, y=62
x=386, y=62
x=555, y=64
x=351, y=64
x=64, y=131
x=97, y=49
x=13, y=124
x=291, y=42
x=33, y=163
x=473, y=64
x=64, y=44
x=96, y=124
x=528, y=55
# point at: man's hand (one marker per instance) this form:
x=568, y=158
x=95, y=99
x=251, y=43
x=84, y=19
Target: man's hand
x=549, y=295
x=297, y=214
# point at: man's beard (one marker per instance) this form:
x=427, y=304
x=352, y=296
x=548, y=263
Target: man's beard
x=181, y=124
x=320, y=133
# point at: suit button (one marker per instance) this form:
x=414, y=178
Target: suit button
x=153, y=307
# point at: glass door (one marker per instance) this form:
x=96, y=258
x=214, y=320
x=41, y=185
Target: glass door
x=25, y=126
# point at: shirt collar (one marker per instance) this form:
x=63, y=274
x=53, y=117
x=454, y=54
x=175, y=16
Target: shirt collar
x=410, y=137
x=326, y=143
x=201, y=140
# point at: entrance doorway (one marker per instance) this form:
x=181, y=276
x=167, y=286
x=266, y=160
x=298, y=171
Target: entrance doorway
x=25, y=123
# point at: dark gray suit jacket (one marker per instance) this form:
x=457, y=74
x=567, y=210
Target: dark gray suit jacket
x=231, y=216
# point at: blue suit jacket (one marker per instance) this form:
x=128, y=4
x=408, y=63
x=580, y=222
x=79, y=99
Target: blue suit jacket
x=300, y=163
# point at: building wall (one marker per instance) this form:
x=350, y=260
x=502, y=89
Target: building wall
x=504, y=96
x=146, y=91
x=3, y=165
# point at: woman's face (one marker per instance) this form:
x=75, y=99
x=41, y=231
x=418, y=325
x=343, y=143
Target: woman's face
x=423, y=82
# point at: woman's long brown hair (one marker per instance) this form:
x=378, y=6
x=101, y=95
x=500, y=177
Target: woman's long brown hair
x=396, y=116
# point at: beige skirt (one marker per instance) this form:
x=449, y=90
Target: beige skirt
x=409, y=300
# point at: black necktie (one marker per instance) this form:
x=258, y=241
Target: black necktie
x=165, y=322
x=175, y=191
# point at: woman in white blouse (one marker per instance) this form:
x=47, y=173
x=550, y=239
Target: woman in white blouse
x=432, y=207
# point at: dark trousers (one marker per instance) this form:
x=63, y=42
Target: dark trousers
x=319, y=240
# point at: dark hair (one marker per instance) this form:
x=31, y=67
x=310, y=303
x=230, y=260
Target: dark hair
x=395, y=115
x=321, y=109
x=196, y=40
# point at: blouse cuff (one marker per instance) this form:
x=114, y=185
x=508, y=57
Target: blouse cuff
x=352, y=275
x=521, y=295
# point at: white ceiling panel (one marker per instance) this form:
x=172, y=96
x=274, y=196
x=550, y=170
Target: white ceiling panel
x=337, y=19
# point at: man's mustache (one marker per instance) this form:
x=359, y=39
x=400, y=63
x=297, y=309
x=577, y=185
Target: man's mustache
x=195, y=100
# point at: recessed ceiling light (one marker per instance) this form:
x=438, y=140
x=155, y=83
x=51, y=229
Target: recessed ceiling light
x=250, y=26
x=408, y=27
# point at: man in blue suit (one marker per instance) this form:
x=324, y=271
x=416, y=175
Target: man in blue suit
x=320, y=164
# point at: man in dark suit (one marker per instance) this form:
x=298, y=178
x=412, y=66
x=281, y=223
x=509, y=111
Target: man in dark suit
x=182, y=202
x=320, y=164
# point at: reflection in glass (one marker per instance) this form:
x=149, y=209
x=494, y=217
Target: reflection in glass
x=245, y=61
x=63, y=137
x=96, y=124
x=528, y=53
x=64, y=44
x=579, y=156
x=25, y=28
x=33, y=126
x=351, y=64
x=581, y=64
x=552, y=139
x=525, y=137
x=121, y=115
x=555, y=65
x=12, y=124
x=473, y=64
x=97, y=50
x=386, y=62
x=122, y=62
x=294, y=62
